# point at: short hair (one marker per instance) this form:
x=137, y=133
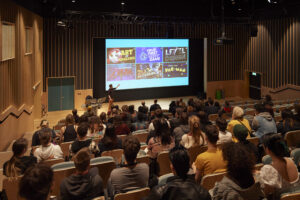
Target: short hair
x=287, y=114
x=19, y=146
x=36, y=182
x=69, y=119
x=82, y=129
x=222, y=124
x=158, y=113
x=212, y=133
x=143, y=103
x=259, y=107
x=45, y=137
x=180, y=160
x=74, y=111
x=44, y=123
x=155, y=100
x=237, y=112
x=82, y=160
x=131, y=148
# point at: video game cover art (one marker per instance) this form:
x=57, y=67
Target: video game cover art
x=148, y=54
x=120, y=55
x=175, y=54
x=148, y=71
x=172, y=70
x=121, y=72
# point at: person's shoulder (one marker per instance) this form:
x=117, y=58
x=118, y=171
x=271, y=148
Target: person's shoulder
x=142, y=166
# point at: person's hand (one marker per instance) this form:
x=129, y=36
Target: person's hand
x=194, y=167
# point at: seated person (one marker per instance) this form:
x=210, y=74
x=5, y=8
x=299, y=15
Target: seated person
x=96, y=128
x=181, y=185
x=204, y=121
x=85, y=183
x=224, y=135
x=110, y=141
x=281, y=175
x=44, y=126
x=195, y=136
x=227, y=107
x=140, y=123
x=131, y=176
x=83, y=141
x=263, y=121
x=158, y=115
x=239, y=182
x=183, y=128
x=36, y=183
x=238, y=118
x=47, y=150
x=18, y=163
x=121, y=128
x=210, y=161
x=68, y=133
x=288, y=123
x=75, y=116
x=297, y=115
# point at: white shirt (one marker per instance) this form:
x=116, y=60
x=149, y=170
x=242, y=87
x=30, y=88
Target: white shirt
x=224, y=137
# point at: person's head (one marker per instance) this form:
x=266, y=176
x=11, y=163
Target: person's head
x=237, y=113
x=240, y=132
x=274, y=145
x=158, y=113
x=74, y=111
x=268, y=98
x=82, y=160
x=69, y=119
x=297, y=108
x=240, y=163
x=110, y=86
x=19, y=147
x=45, y=137
x=222, y=124
x=286, y=114
x=180, y=161
x=210, y=101
x=103, y=117
x=143, y=103
x=124, y=108
x=195, y=129
x=217, y=104
x=155, y=101
x=259, y=108
x=178, y=112
x=131, y=109
x=184, y=118
x=211, y=134
x=203, y=117
x=82, y=130
x=44, y=123
x=36, y=183
x=190, y=109
x=131, y=148
x=227, y=104
x=162, y=130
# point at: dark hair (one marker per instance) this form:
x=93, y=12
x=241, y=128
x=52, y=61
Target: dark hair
x=69, y=119
x=217, y=104
x=212, y=133
x=210, y=101
x=82, y=129
x=162, y=130
x=131, y=148
x=180, y=160
x=110, y=138
x=276, y=145
x=184, y=118
x=268, y=98
x=287, y=117
x=222, y=124
x=45, y=136
x=102, y=117
x=203, y=118
x=259, y=108
x=82, y=159
x=227, y=104
x=36, y=183
x=155, y=100
x=297, y=108
x=158, y=113
x=117, y=120
x=84, y=119
x=18, y=148
x=74, y=111
x=240, y=164
x=42, y=122
x=131, y=109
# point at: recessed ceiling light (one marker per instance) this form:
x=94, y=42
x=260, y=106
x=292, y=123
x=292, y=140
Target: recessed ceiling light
x=73, y=1
x=122, y=3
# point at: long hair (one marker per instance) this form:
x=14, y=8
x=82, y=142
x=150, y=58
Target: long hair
x=110, y=138
x=287, y=116
x=162, y=130
x=19, y=147
x=195, y=129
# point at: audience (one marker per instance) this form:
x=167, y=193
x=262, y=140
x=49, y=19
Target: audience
x=158, y=115
x=121, y=127
x=227, y=108
x=85, y=183
x=18, y=163
x=238, y=118
x=194, y=137
x=297, y=115
x=36, y=183
x=263, y=121
x=287, y=123
x=143, y=108
x=204, y=121
x=224, y=135
x=44, y=126
x=239, y=182
x=281, y=175
x=210, y=161
x=47, y=150
x=68, y=133
x=110, y=141
x=175, y=121
x=140, y=123
x=132, y=175
x=181, y=185
x=83, y=141
x=154, y=106
x=75, y=116
x=211, y=108
x=96, y=128
x=182, y=129
x=132, y=112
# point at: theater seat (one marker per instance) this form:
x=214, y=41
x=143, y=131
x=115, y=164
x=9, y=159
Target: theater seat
x=142, y=136
x=65, y=148
x=295, y=154
x=195, y=151
x=116, y=154
x=254, y=140
x=292, y=138
x=163, y=179
x=208, y=181
x=164, y=163
x=133, y=195
x=63, y=165
x=143, y=159
x=290, y=196
x=51, y=162
x=11, y=188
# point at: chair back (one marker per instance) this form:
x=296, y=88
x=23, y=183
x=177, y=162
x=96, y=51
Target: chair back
x=208, y=181
x=292, y=138
x=295, y=154
x=194, y=151
x=63, y=165
x=122, y=137
x=163, y=179
x=213, y=117
x=99, y=198
x=254, y=140
x=133, y=195
x=116, y=154
x=164, y=163
x=11, y=187
x=266, y=160
x=65, y=148
x=290, y=196
x=51, y=162
x=105, y=165
x=58, y=176
x=142, y=137
x=143, y=159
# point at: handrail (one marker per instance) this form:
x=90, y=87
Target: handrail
x=292, y=87
x=12, y=110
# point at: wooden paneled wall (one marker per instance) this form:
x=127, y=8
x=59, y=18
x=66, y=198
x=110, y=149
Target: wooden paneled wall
x=19, y=102
x=274, y=52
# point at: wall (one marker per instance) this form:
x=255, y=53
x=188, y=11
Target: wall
x=20, y=104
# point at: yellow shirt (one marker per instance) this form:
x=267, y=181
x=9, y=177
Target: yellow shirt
x=233, y=122
x=210, y=162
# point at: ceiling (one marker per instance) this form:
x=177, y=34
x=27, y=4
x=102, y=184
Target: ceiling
x=164, y=10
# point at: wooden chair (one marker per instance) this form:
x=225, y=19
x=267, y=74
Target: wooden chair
x=65, y=148
x=58, y=176
x=143, y=159
x=142, y=137
x=11, y=187
x=195, y=151
x=250, y=112
x=5, y=156
x=116, y=154
x=163, y=179
x=133, y=195
x=254, y=140
x=292, y=138
x=290, y=196
x=213, y=117
x=208, y=181
x=51, y=162
x=99, y=198
x=164, y=163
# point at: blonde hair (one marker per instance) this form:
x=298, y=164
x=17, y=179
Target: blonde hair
x=195, y=129
x=237, y=113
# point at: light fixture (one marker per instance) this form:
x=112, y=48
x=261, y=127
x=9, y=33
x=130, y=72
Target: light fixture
x=273, y=1
x=61, y=23
x=73, y=1
x=122, y=3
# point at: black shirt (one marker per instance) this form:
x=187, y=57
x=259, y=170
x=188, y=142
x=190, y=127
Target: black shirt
x=77, y=145
x=22, y=163
x=36, y=138
x=70, y=134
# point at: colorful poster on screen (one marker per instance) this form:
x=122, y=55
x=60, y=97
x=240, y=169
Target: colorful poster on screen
x=175, y=54
x=172, y=70
x=148, y=71
x=148, y=54
x=120, y=55
x=120, y=72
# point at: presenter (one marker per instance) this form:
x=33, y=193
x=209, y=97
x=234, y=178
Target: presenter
x=111, y=91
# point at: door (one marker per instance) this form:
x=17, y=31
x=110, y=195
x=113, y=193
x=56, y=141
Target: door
x=60, y=94
x=255, y=85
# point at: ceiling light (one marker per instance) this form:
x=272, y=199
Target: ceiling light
x=73, y=1
x=122, y=3
x=61, y=23
x=239, y=9
x=272, y=1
